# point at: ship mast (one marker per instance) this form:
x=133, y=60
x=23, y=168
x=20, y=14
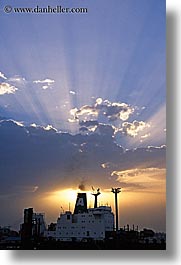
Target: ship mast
x=95, y=193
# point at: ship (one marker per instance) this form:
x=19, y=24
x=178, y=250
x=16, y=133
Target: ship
x=83, y=224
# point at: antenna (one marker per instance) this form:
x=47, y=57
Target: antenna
x=95, y=193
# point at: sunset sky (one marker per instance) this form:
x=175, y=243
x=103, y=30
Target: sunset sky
x=82, y=102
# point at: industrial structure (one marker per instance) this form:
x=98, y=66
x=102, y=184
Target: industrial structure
x=116, y=191
x=33, y=226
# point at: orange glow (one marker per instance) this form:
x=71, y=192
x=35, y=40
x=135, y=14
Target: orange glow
x=65, y=197
x=140, y=207
x=146, y=209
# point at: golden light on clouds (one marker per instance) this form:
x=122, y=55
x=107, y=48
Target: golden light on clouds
x=132, y=182
x=147, y=179
x=141, y=201
x=137, y=205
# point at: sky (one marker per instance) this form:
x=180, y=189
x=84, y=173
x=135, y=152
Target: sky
x=83, y=102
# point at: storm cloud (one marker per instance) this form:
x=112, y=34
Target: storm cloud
x=41, y=156
x=36, y=160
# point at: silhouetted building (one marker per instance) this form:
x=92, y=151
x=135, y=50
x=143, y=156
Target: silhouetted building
x=33, y=226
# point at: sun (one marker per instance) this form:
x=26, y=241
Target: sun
x=69, y=195
x=66, y=198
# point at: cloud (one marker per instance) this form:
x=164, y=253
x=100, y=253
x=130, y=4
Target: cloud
x=131, y=173
x=108, y=165
x=42, y=150
x=84, y=129
x=26, y=188
x=89, y=123
x=17, y=79
x=144, y=137
x=50, y=127
x=46, y=83
x=37, y=128
x=152, y=179
x=86, y=110
x=105, y=129
x=45, y=87
x=137, y=158
x=6, y=88
x=132, y=129
x=19, y=123
x=93, y=126
x=115, y=111
x=41, y=159
x=72, y=120
x=88, y=126
x=46, y=156
x=112, y=111
x=99, y=101
x=2, y=76
x=72, y=92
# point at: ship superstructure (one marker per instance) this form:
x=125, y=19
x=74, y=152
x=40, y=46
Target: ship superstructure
x=84, y=223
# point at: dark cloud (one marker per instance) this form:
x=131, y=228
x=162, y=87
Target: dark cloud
x=93, y=127
x=37, y=156
x=36, y=159
x=88, y=123
x=105, y=129
x=46, y=158
x=83, y=129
